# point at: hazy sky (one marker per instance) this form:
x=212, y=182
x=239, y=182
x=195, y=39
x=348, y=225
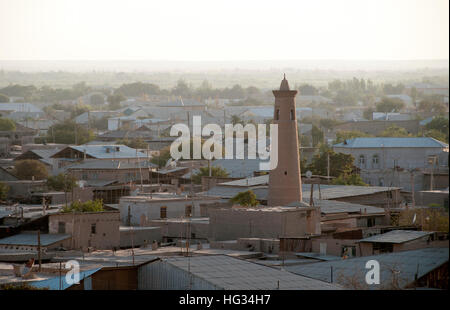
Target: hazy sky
x=223, y=30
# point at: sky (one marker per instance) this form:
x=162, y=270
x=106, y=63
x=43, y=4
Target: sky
x=228, y=30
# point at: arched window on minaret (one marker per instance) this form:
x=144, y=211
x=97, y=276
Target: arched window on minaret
x=292, y=115
x=277, y=116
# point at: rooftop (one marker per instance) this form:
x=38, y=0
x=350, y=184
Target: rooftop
x=397, y=236
x=392, y=143
x=225, y=272
x=32, y=239
x=408, y=263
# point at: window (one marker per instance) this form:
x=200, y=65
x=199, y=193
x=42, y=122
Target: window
x=375, y=161
x=370, y=222
x=277, y=115
x=292, y=115
x=188, y=211
x=163, y=212
x=362, y=161
x=93, y=229
x=61, y=227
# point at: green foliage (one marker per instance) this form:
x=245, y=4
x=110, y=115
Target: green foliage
x=88, y=206
x=439, y=123
x=436, y=134
x=164, y=156
x=7, y=125
x=204, y=171
x=394, y=131
x=62, y=182
x=387, y=105
x=29, y=168
x=137, y=89
x=341, y=136
x=430, y=105
x=97, y=100
x=317, y=135
x=115, y=100
x=3, y=98
x=340, y=164
x=247, y=198
x=69, y=132
x=4, y=189
x=352, y=179
x=308, y=90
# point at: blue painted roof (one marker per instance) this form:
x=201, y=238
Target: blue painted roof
x=109, y=151
x=391, y=142
x=57, y=283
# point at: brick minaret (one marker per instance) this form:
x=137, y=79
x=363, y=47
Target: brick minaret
x=285, y=184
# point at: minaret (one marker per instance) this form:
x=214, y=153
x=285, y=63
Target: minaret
x=285, y=183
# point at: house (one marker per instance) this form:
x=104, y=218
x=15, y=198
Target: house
x=99, y=230
x=75, y=153
x=399, y=162
x=22, y=135
x=90, y=116
x=42, y=155
x=104, y=170
x=406, y=153
x=395, y=241
x=28, y=242
x=399, y=270
x=221, y=272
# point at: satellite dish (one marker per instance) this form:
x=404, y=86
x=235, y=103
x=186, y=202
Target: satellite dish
x=308, y=174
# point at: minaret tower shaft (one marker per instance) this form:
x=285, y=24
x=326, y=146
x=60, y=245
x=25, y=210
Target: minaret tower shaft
x=285, y=183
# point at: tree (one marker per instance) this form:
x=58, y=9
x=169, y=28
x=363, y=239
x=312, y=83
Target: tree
x=308, y=90
x=7, y=125
x=394, y=131
x=247, y=198
x=4, y=98
x=88, y=206
x=115, y=100
x=28, y=169
x=431, y=105
x=237, y=120
x=164, y=156
x=341, y=136
x=204, y=171
x=97, y=99
x=439, y=123
x=68, y=132
x=62, y=182
x=352, y=179
x=317, y=135
x=4, y=189
x=340, y=164
x=436, y=134
x=387, y=105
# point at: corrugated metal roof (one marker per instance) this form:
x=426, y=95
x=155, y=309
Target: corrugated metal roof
x=327, y=191
x=116, y=165
x=397, y=236
x=108, y=151
x=19, y=107
x=234, y=274
x=32, y=239
x=60, y=283
x=408, y=263
x=392, y=143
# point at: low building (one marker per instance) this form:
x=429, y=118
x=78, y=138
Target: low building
x=395, y=241
x=407, y=269
x=28, y=242
x=263, y=222
x=131, y=236
x=219, y=272
x=99, y=230
x=139, y=210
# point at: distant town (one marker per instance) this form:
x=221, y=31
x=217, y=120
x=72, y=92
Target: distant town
x=87, y=181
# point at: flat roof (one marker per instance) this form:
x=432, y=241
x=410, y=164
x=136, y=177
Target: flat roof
x=231, y=273
x=32, y=239
x=397, y=236
x=408, y=263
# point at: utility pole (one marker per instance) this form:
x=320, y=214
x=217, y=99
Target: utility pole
x=39, y=249
x=328, y=167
